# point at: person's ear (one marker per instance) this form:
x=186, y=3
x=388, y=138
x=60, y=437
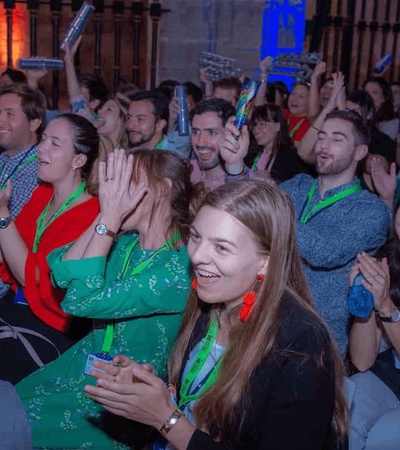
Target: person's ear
x=34, y=124
x=361, y=152
x=79, y=161
x=264, y=265
x=160, y=124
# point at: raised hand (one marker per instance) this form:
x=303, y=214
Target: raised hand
x=319, y=69
x=385, y=183
x=337, y=91
x=235, y=145
x=118, y=196
x=71, y=51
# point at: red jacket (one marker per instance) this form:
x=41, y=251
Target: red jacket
x=44, y=300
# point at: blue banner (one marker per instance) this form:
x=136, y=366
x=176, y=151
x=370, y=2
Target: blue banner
x=283, y=30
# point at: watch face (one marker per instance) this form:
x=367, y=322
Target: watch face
x=395, y=315
x=101, y=229
x=4, y=222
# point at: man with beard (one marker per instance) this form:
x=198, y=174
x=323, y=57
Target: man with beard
x=209, y=118
x=147, y=120
x=336, y=218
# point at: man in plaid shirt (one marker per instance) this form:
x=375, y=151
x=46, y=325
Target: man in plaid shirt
x=22, y=120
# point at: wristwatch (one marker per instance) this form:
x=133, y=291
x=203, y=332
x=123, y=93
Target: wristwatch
x=394, y=316
x=4, y=222
x=102, y=229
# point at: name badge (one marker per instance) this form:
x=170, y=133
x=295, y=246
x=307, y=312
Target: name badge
x=92, y=357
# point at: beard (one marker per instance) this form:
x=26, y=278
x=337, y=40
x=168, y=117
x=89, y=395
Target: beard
x=329, y=166
x=143, y=139
x=210, y=163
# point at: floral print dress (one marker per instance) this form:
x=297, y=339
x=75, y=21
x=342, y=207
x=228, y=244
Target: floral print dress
x=146, y=310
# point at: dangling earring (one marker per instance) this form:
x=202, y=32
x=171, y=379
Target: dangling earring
x=74, y=168
x=194, y=284
x=249, y=299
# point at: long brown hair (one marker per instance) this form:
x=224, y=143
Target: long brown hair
x=184, y=197
x=268, y=215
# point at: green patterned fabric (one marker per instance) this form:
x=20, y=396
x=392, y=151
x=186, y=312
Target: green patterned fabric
x=147, y=309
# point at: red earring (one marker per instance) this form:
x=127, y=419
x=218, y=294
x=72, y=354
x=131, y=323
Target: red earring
x=194, y=284
x=249, y=299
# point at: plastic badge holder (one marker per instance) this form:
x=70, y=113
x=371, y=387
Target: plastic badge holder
x=183, y=117
x=360, y=302
x=40, y=63
x=77, y=25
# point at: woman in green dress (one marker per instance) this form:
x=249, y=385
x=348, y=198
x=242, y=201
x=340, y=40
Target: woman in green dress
x=134, y=285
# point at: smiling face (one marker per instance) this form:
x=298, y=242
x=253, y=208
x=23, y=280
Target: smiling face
x=325, y=92
x=143, y=129
x=207, y=135
x=16, y=131
x=225, y=257
x=111, y=122
x=56, y=154
x=298, y=100
x=376, y=93
x=265, y=132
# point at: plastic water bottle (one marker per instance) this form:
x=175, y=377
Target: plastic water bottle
x=360, y=301
x=183, y=116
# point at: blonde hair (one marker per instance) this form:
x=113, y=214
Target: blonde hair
x=268, y=215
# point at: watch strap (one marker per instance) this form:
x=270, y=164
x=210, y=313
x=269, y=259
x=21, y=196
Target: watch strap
x=108, y=232
x=171, y=421
x=390, y=318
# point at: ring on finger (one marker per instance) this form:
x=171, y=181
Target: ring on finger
x=376, y=274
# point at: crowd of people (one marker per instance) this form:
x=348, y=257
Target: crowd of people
x=192, y=291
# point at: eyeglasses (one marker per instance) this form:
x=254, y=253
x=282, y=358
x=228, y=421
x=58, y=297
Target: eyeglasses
x=262, y=124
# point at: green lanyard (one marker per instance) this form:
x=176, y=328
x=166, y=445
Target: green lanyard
x=295, y=128
x=109, y=336
x=41, y=225
x=159, y=145
x=198, y=364
x=308, y=213
x=254, y=167
x=18, y=169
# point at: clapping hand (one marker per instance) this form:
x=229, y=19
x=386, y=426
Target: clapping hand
x=385, y=183
x=118, y=196
x=377, y=281
x=130, y=390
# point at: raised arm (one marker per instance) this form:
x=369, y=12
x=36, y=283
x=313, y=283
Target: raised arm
x=233, y=150
x=384, y=183
x=305, y=150
x=265, y=65
x=118, y=197
x=314, y=104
